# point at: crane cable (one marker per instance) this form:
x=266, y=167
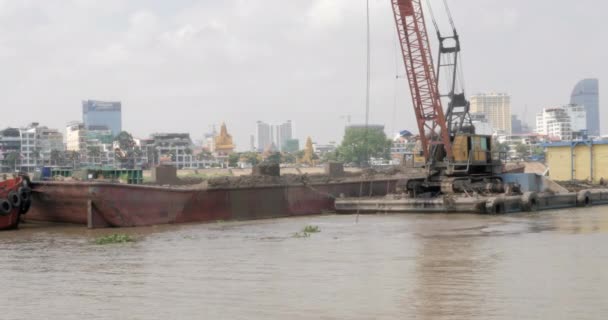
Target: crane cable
x=428, y=4
x=460, y=73
x=367, y=96
x=396, y=84
x=460, y=65
x=368, y=83
x=437, y=31
x=447, y=9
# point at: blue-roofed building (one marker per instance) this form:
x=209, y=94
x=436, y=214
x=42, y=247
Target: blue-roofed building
x=586, y=94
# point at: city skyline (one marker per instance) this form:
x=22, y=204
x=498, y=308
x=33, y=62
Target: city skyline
x=205, y=76
x=284, y=129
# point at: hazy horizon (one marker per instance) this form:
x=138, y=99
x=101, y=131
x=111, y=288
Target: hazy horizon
x=184, y=65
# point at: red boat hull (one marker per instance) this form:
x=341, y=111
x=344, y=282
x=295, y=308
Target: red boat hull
x=10, y=215
x=10, y=221
x=117, y=205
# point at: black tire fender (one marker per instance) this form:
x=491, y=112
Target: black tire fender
x=25, y=193
x=14, y=199
x=495, y=206
x=5, y=207
x=25, y=206
x=583, y=199
x=530, y=201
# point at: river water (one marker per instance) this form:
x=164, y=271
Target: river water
x=549, y=265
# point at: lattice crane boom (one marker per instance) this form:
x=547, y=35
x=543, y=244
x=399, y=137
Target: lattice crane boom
x=417, y=57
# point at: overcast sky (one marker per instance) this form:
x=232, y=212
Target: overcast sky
x=183, y=65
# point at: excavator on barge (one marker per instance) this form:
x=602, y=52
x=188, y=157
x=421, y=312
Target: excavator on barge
x=461, y=171
x=455, y=158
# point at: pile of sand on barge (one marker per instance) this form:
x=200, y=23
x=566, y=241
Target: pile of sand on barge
x=267, y=175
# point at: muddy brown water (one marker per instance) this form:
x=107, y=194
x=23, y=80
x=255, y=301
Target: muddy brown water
x=549, y=265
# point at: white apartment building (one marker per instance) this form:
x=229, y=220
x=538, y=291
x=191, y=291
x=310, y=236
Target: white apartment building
x=29, y=153
x=94, y=145
x=497, y=109
x=75, y=137
x=37, y=146
x=99, y=154
x=561, y=123
x=174, y=149
x=49, y=140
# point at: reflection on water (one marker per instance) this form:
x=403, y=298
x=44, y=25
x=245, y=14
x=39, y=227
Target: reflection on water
x=550, y=265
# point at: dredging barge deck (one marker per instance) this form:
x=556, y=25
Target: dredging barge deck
x=535, y=193
x=528, y=202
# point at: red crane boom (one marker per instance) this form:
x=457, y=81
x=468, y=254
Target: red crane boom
x=421, y=76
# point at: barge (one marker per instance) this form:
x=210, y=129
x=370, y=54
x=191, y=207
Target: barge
x=102, y=204
x=98, y=205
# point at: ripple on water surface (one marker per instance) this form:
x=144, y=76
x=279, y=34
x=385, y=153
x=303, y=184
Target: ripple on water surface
x=538, y=266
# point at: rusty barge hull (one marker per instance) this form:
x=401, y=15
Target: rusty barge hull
x=116, y=205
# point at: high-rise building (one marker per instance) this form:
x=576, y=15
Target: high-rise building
x=273, y=137
x=284, y=133
x=496, y=107
x=586, y=94
x=516, y=125
x=264, y=133
x=519, y=126
x=102, y=113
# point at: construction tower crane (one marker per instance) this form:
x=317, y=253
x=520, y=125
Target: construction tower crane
x=453, y=154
